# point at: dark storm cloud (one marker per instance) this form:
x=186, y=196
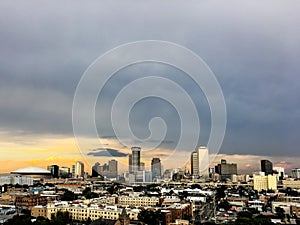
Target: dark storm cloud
x=254, y=52
x=106, y=152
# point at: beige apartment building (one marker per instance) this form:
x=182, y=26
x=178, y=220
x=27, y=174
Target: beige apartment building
x=264, y=182
x=82, y=212
x=139, y=201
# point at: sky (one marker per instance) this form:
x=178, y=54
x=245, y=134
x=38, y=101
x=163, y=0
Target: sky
x=252, y=47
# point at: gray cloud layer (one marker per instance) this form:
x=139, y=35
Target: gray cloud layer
x=106, y=152
x=252, y=47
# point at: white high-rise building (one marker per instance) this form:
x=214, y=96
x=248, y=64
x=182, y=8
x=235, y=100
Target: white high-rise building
x=200, y=161
x=203, y=160
x=78, y=170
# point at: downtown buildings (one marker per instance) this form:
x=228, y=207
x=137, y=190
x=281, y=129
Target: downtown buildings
x=109, y=170
x=137, y=172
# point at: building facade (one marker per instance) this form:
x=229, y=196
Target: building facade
x=200, y=161
x=226, y=170
x=296, y=173
x=54, y=170
x=156, y=168
x=266, y=167
x=136, y=158
x=78, y=170
x=264, y=182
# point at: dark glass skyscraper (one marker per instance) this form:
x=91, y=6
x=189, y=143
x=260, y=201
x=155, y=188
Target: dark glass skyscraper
x=136, y=158
x=266, y=167
x=54, y=170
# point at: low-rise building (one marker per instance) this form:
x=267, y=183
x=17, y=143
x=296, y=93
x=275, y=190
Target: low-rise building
x=83, y=212
x=28, y=201
x=139, y=201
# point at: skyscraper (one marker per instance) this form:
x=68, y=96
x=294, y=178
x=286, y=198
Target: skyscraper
x=266, y=167
x=200, y=161
x=54, y=170
x=136, y=158
x=203, y=160
x=130, y=162
x=64, y=172
x=194, y=164
x=96, y=170
x=113, y=168
x=156, y=168
x=78, y=170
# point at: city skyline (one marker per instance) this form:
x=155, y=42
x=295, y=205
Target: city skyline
x=44, y=53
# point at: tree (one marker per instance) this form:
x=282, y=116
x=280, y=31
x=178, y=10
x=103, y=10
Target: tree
x=224, y=205
x=279, y=212
x=19, y=220
x=88, y=194
x=61, y=218
x=151, y=217
x=68, y=196
x=245, y=214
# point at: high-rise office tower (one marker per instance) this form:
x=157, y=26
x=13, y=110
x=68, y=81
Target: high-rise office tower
x=54, y=170
x=96, y=170
x=113, y=168
x=200, y=161
x=136, y=158
x=156, y=168
x=226, y=170
x=130, y=162
x=78, y=170
x=64, y=172
x=266, y=167
x=194, y=163
x=203, y=160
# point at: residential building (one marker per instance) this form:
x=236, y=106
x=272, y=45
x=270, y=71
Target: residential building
x=139, y=201
x=82, y=213
x=264, y=182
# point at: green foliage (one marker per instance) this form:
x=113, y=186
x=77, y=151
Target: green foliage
x=151, y=217
x=245, y=214
x=61, y=218
x=88, y=194
x=279, y=212
x=68, y=196
x=224, y=205
x=19, y=220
